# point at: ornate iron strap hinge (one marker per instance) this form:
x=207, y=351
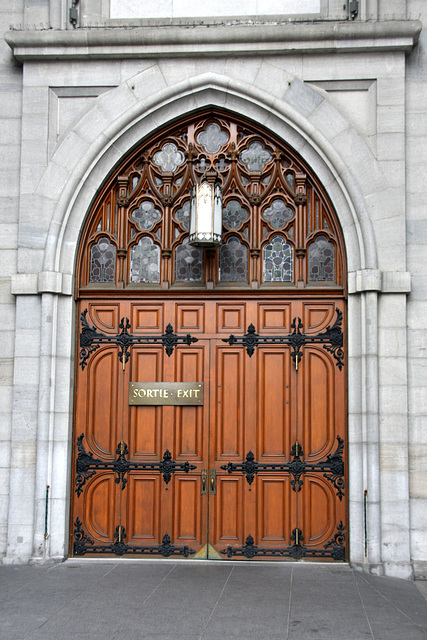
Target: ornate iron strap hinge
x=335, y=548
x=83, y=544
x=87, y=465
x=91, y=339
x=332, y=468
x=331, y=339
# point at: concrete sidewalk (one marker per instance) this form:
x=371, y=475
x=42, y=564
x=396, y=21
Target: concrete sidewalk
x=168, y=600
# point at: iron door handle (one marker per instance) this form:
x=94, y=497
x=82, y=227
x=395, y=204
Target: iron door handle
x=204, y=482
x=212, y=482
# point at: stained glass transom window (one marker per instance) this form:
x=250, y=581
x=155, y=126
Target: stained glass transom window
x=169, y=158
x=321, y=260
x=256, y=156
x=233, y=261
x=212, y=138
x=102, y=261
x=278, y=224
x=277, y=214
x=277, y=259
x=183, y=215
x=145, y=261
x=234, y=214
x=146, y=215
x=188, y=263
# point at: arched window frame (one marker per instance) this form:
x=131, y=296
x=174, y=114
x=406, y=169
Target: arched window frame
x=279, y=173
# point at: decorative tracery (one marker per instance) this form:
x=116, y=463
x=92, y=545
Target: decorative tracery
x=278, y=226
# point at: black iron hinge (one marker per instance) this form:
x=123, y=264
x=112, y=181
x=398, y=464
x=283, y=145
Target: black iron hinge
x=331, y=339
x=332, y=467
x=334, y=548
x=91, y=339
x=87, y=465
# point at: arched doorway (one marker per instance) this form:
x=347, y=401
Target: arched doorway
x=255, y=468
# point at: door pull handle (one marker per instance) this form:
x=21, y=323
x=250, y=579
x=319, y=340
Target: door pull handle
x=212, y=480
x=204, y=482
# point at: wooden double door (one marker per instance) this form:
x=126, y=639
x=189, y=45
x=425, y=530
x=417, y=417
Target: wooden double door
x=256, y=471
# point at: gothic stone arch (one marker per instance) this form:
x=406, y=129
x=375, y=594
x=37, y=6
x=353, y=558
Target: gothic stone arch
x=94, y=158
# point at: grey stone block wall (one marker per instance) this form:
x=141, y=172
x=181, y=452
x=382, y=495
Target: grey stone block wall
x=11, y=13
x=416, y=238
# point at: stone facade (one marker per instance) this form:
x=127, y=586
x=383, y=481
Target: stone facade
x=349, y=95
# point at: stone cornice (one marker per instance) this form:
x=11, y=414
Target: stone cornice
x=155, y=41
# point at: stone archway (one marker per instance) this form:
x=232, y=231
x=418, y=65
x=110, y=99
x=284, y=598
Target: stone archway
x=95, y=157
x=258, y=469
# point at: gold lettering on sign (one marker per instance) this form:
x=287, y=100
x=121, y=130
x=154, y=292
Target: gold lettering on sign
x=166, y=393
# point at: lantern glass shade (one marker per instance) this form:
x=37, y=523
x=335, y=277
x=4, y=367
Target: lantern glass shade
x=206, y=215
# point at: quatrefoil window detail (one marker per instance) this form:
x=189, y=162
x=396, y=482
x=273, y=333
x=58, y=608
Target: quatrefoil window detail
x=146, y=215
x=234, y=214
x=278, y=214
x=212, y=138
x=169, y=158
x=256, y=156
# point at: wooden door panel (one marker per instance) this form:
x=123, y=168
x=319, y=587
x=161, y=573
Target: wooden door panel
x=143, y=429
x=147, y=318
x=99, y=403
x=226, y=522
x=317, y=316
x=274, y=318
x=191, y=366
x=230, y=318
x=320, y=511
x=159, y=431
x=100, y=507
x=230, y=410
x=255, y=403
x=190, y=318
x=142, y=509
x=189, y=441
x=276, y=433
x=104, y=315
x=189, y=521
x=317, y=398
x=275, y=510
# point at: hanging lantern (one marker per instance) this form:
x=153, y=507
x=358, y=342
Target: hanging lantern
x=206, y=213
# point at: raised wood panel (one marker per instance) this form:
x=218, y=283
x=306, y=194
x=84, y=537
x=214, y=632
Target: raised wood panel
x=102, y=429
x=188, y=420
x=231, y=318
x=190, y=318
x=105, y=316
x=143, y=508
x=187, y=510
x=144, y=436
x=147, y=318
x=228, y=503
x=316, y=317
x=100, y=508
x=275, y=510
x=273, y=387
x=320, y=511
x=317, y=406
x=274, y=318
x=230, y=402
